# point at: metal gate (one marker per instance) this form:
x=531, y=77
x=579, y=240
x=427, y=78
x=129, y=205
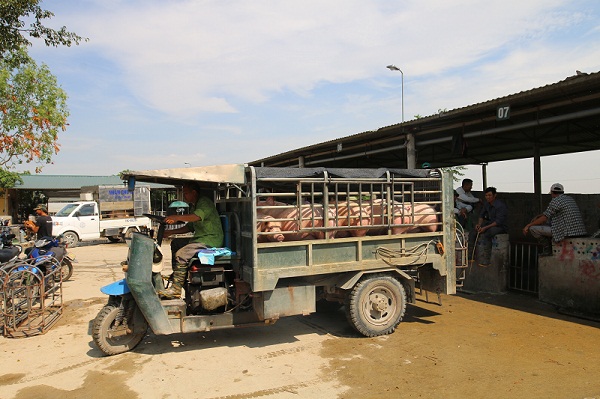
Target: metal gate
x=523, y=267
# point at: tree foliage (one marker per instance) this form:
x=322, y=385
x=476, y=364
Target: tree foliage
x=457, y=171
x=32, y=105
x=14, y=31
x=9, y=179
x=33, y=109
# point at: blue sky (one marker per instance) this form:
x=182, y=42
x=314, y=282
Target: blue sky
x=163, y=84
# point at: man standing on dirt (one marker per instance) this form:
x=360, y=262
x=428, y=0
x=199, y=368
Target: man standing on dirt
x=493, y=220
x=562, y=219
x=205, y=222
x=42, y=226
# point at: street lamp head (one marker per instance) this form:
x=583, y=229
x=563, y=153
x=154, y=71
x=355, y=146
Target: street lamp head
x=393, y=67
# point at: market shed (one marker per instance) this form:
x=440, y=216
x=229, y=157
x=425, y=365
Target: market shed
x=64, y=186
x=558, y=118
x=58, y=188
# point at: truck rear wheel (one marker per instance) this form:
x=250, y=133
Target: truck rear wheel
x=375, y=306
x=112, y=336
x=71, y=239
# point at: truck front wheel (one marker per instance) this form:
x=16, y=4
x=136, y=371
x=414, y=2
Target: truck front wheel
x=129, y=233
x=375, y=306
x=71, y=239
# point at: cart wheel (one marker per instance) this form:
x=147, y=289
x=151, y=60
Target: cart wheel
x=113, y=338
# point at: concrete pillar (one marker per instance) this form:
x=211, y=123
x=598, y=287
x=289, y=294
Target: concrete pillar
x=493, y=278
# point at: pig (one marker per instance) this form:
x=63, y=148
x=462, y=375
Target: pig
x=375, y=213
x=267, y=224
x=423, y=214
x=354, y=214
x=281, y=220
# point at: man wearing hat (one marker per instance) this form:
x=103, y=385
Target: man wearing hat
x=560, y=220
x=43, y=222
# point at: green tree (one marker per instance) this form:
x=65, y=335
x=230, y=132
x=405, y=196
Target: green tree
x=32, y=105
x=14, y=31
x=457, y=172
x=33, y=109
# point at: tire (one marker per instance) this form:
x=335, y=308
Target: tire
x=375, y=306
x=105, y=336
x=71, y=239
x=66, y=270
x=129, y=233
x=113, y=238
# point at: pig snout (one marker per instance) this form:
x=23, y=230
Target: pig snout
x=275, y=231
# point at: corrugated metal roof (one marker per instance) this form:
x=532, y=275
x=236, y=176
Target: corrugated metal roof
x=557, y=118
x=69, y=182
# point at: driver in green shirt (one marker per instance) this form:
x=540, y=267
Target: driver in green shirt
x=204, y=221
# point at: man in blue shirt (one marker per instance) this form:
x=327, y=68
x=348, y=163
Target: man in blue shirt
x=493, y=220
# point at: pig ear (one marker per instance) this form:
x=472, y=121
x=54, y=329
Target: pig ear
x=270, y=201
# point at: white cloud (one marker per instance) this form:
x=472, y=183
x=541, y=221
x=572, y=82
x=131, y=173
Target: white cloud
x=183, y=57
x=252, y=79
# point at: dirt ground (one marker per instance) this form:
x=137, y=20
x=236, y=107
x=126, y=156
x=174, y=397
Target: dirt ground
x=475, y=346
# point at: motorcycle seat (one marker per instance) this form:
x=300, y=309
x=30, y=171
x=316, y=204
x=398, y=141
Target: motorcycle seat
x=208, y=256
x=7, y=254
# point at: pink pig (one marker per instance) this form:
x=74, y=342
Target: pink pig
x=423, y=215
x=374, y=213
x=279, y=219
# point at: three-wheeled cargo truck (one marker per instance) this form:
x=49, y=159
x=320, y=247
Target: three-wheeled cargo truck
x=294, y=238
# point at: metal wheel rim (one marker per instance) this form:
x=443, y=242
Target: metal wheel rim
x=122, y=340
x=70, y=240
x=379, y=306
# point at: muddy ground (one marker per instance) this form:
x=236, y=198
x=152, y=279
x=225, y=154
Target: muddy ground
x=475, y=346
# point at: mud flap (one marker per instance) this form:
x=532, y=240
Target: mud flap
x=139, y=280
x=117, y=288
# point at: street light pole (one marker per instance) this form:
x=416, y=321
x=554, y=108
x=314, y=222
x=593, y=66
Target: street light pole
x=411, y=150
x=393, y=67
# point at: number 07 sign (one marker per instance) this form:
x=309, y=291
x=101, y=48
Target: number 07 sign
x=503, y=112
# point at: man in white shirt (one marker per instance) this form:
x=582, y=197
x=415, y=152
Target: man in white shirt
x=465, y=202
x=466, y=199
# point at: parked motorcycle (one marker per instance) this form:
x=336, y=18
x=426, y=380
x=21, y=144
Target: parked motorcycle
x=8, y=250
x=31, y=286
x=56, y=248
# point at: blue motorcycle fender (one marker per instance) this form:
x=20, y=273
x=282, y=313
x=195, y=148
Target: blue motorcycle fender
x=117, y=288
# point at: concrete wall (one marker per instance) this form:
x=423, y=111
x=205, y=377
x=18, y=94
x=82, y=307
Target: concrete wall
x=570, y=278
